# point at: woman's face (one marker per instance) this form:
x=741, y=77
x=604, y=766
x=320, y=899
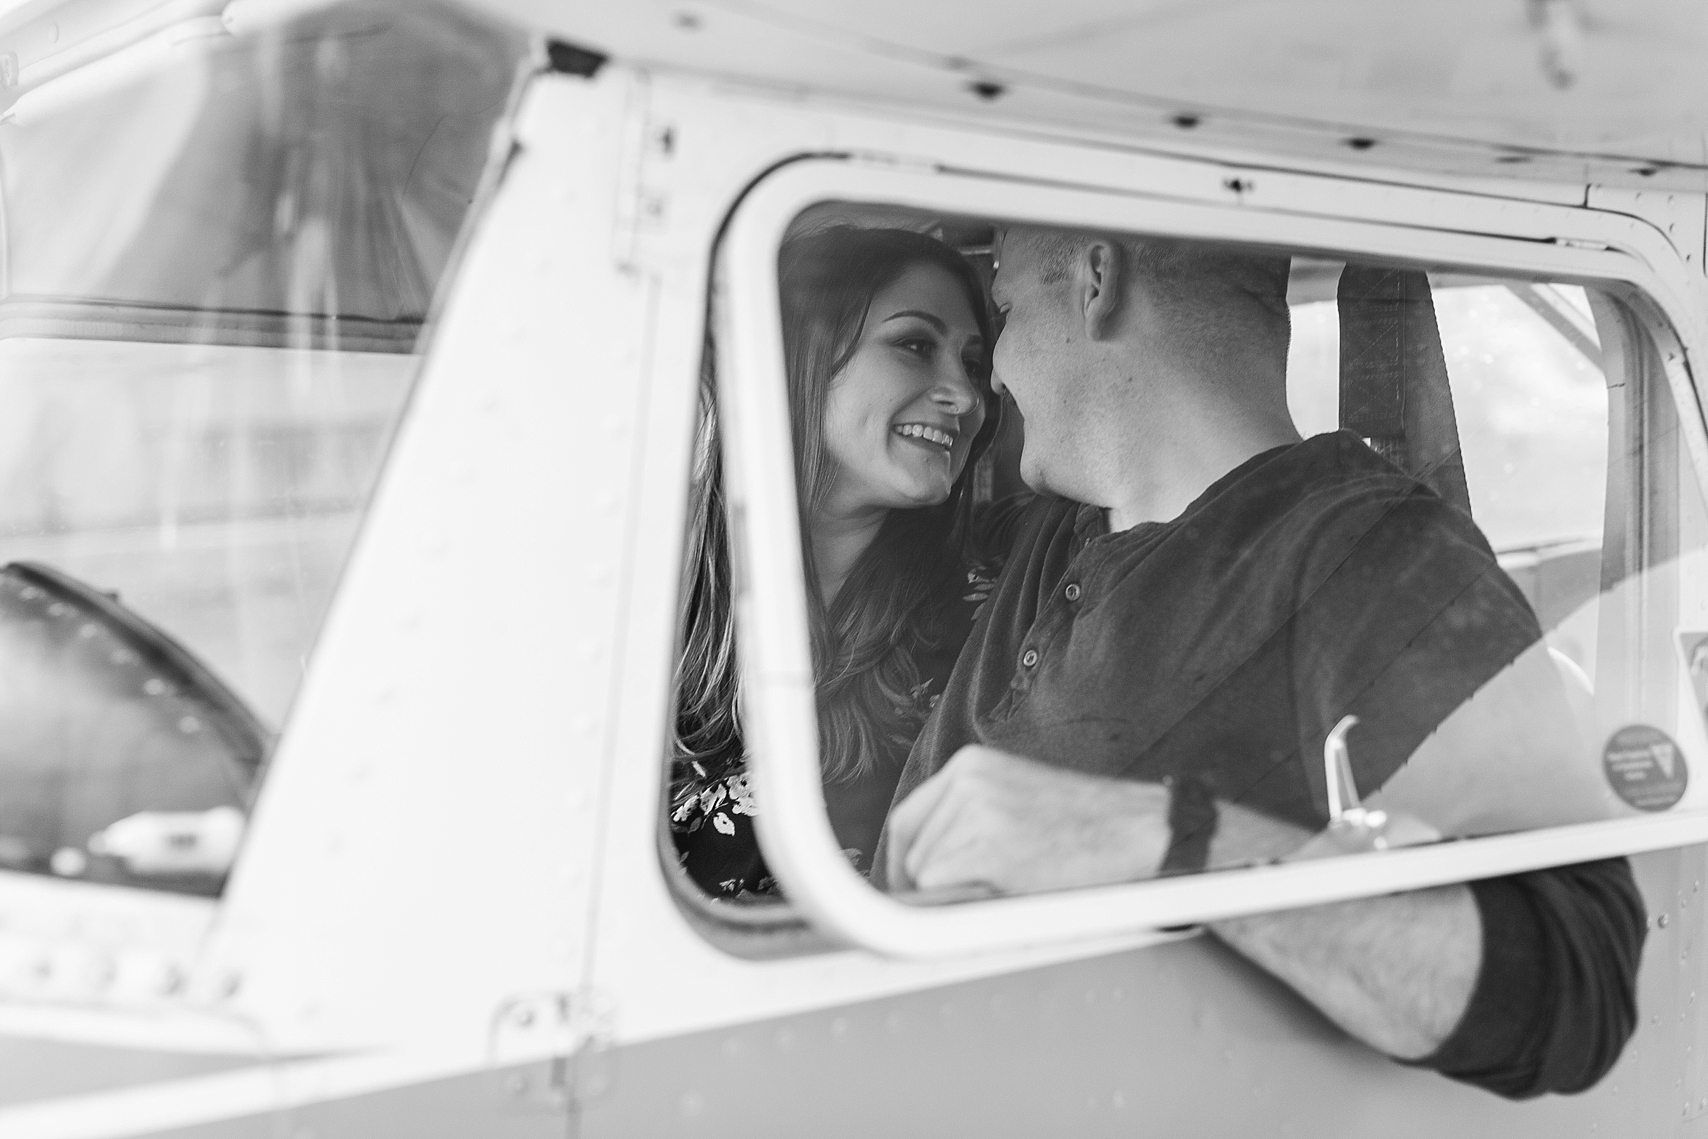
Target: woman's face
x=901, y=415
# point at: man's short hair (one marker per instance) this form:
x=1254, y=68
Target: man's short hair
x=1179, y=262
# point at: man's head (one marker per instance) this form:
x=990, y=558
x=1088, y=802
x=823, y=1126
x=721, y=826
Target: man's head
x=1114, y=343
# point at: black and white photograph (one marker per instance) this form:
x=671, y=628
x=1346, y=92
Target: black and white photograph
x=729, y=569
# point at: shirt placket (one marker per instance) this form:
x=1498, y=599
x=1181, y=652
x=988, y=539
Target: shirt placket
x=1055, y=620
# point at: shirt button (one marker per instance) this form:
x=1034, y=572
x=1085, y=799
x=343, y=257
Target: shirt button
x=1028, y=658
x=1072, y=592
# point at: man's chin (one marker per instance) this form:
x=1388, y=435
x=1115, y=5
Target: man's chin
x=1032, y=474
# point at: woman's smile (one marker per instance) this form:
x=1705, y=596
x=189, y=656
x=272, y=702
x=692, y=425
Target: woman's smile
x=937, y=439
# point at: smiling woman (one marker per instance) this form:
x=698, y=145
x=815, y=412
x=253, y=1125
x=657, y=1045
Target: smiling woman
x=887, y=341
x=900, y=416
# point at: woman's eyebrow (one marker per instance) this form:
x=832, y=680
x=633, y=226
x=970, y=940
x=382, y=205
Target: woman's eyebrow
x=929, y=318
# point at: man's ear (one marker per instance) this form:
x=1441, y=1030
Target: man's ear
x=1101, y=270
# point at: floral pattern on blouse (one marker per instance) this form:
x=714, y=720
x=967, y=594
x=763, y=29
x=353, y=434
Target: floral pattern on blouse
x=712, y=809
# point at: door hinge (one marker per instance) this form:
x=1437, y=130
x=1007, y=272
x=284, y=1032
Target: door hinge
x=547, y=1050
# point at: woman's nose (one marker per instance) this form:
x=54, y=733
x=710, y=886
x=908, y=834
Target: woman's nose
x=954, y=392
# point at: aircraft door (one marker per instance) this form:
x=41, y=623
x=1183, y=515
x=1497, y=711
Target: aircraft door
x=1531, y=363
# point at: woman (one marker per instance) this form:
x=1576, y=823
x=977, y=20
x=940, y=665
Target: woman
x=887, y=342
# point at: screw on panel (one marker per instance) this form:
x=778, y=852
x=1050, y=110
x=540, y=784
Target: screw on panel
x=100, y=973
x=68, y=862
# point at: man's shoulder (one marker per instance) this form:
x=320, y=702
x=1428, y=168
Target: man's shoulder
x=1335, y=462
x=1333, y=485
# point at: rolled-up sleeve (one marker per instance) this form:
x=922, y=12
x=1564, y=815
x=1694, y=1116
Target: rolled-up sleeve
x=1556, y=998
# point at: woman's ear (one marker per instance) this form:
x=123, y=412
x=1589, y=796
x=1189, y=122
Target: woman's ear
x=1102, y=266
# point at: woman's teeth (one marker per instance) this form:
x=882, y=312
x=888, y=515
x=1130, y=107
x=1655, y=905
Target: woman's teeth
x=930, y=434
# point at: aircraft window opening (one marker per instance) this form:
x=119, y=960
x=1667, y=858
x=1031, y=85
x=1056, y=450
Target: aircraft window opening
x=1535, y=406
x=202, y=377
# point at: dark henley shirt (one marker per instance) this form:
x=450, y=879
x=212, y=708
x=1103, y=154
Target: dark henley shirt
x=1313, y=581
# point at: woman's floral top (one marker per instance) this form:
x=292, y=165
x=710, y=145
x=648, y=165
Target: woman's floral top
x=712, y=811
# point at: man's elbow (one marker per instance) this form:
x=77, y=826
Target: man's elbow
x=1557, y=999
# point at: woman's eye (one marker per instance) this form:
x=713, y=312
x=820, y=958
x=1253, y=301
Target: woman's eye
x=918, y=345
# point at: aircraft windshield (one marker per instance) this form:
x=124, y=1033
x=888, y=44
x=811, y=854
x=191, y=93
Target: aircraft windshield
x=221, y=243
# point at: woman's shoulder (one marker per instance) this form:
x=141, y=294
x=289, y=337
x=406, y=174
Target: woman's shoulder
x=959, y=609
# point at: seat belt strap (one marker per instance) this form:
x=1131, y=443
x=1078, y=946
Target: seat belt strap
x=1393, y=377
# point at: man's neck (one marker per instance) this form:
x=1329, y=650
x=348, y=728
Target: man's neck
x=1179, y=463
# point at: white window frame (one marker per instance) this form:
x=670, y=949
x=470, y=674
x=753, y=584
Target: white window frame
x=1619, y=253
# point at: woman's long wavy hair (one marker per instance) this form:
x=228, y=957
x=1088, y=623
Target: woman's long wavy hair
x=894, y=605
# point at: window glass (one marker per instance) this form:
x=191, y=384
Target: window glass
x=221, y=246
x=1464, y=600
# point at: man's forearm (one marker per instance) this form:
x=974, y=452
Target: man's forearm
x=1397, y=971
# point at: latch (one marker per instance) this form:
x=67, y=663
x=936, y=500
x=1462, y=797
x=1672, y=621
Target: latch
x=1352, y=826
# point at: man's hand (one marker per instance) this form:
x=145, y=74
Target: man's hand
x=1017, y=826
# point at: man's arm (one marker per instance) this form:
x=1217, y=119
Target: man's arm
x=1397, y=972
x=1520, y=985
x=1018, y=827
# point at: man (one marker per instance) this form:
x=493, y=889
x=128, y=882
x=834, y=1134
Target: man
x=1150, y=686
